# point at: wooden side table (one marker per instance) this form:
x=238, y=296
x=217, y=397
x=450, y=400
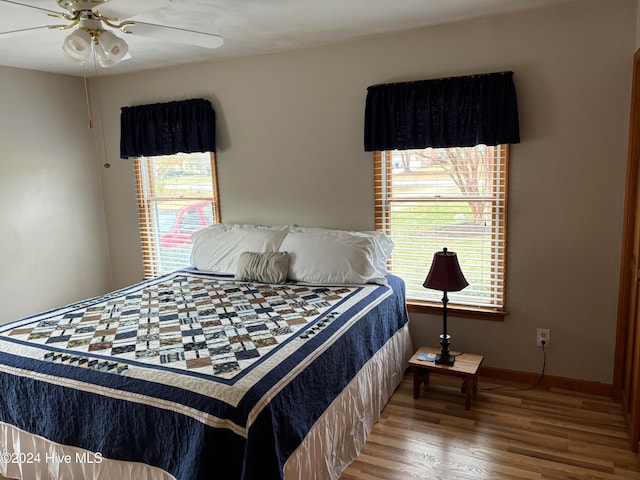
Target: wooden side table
x=465, y=366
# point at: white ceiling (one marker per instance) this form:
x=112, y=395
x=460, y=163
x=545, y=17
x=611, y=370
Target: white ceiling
x=249, y=27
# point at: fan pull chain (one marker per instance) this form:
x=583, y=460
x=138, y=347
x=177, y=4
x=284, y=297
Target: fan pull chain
x=86, y=94
x=104, y=140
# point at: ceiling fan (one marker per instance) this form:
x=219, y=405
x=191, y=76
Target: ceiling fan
x=92, y=23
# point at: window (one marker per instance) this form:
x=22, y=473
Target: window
x=446, y=197
x=177, y=195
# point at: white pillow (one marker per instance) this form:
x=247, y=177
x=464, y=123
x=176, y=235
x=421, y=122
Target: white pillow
x=383, y=244
x=331, y=257
x=217, y=249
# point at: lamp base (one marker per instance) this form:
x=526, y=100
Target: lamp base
x=445, y=359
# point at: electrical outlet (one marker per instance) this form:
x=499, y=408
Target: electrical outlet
x=544, y=334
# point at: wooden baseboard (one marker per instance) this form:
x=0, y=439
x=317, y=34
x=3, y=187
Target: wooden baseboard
x=548, y=381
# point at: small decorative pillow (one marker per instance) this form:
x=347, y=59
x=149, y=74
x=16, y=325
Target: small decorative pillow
x=269, y=267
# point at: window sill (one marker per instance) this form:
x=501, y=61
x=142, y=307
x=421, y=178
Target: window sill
x=464, y=311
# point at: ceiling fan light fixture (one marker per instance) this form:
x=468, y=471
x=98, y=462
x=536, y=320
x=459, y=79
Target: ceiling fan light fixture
x=103, y=58
x=87, y=22
x=78, y=45
x=113, y=46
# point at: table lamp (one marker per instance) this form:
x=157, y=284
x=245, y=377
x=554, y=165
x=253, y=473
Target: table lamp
x=445, y=275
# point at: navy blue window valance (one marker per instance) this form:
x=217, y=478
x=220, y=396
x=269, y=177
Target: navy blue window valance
x=442, y=113
x=167, y=128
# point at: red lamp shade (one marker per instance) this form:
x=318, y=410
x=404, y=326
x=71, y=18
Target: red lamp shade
x=445, y=274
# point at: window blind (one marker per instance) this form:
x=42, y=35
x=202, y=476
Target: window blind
x=428, y=199
x=177, y=195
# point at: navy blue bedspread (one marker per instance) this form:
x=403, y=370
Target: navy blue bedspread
x=194, y=373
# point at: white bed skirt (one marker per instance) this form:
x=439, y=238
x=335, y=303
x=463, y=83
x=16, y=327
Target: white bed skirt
x=331, y=445
x=336, y=439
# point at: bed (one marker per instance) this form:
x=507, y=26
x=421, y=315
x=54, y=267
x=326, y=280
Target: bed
x=206, y=374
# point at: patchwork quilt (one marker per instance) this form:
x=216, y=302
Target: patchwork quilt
x=197, y=374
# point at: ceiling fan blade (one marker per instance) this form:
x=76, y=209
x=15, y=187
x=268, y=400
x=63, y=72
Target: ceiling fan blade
x=122, y=9
x=25, y=5
x=177, y=35
x=19, y=18
x=22, y=31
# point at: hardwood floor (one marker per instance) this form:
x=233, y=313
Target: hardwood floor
x=507, y=434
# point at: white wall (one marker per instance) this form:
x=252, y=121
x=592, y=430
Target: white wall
x=290, y=128
x=53, y=246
